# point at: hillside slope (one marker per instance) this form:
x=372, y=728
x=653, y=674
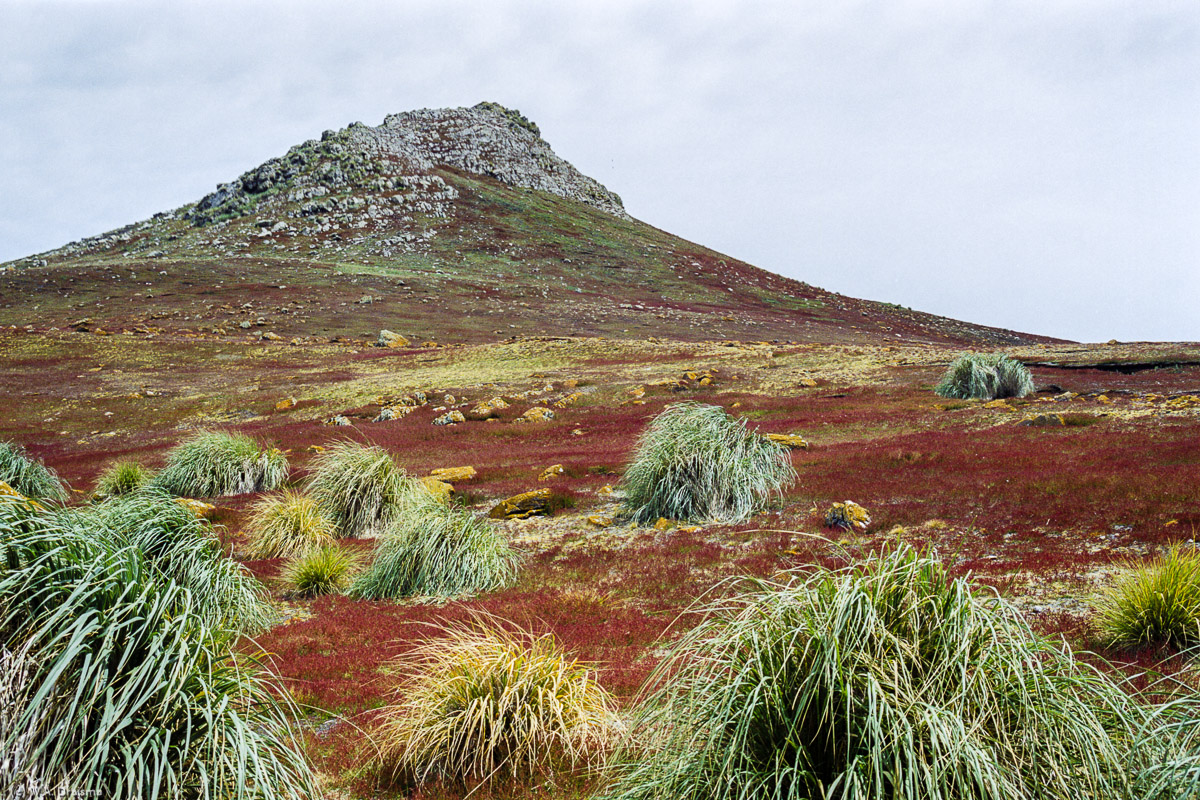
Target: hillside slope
x=453, y=225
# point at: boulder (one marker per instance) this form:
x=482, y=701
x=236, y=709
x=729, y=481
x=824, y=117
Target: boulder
x=1044, y=421
x=569, y=400
x=390, y=339
x=338, y=419
x=285, y=404
x=536, y=414
x=453, y=474
x=520, y=506
x=789, y=440
x=270, y=336
x=847, y=516
x=599, y=521
x=439, y=489
x=551, y=472
x=450, y=418
x=199, y=508
x=29, y=502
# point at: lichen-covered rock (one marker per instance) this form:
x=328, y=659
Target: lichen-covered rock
x=450, y=418
x=438, y=488
x=789, y=440
x=551, y=472
x=390, y=339
x=453, y=474
x=526, y=504
x=199, y=508
x=338, y=419
x=388, y=413
x=536, y=414
x=847, y=516
x=569, y=400
x=28, y=502
x=285, y=404
x=1044, y=421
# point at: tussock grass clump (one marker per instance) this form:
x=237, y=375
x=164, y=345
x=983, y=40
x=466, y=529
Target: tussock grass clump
x=887, y=680
x=697, y=463
x=285, y=525
x=29, y=476
x=181, y=548
x=484, y=703
x=120, y=688
x=358, y=486
x=216, y=463
x=121, y=477
x=985, y=376
x=1155, y=604
x=326, y=570
x=433, y=549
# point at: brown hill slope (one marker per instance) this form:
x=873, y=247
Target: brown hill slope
x=453, y=225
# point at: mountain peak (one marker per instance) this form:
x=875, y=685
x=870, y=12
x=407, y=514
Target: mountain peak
x=395, y=164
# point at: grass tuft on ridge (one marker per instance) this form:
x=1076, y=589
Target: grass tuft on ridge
x=216, y=463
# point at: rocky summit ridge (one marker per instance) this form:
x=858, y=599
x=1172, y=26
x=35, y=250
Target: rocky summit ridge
x=446, y=225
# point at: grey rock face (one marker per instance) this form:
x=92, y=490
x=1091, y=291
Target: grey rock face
x=393, y=165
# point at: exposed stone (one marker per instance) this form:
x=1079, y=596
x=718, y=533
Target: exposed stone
x=807, y=382
x=285, y=404
x=526, y=504
x=390, y=339
x=999, y=405
x=438, y=488
x=789, y=440
x=569, y=400
x=29, y=502
x=271, y=336
x=338, y=419
x=388, y=413
x=599, y=521
x=551, y=472
x=536, y=414
x=199, y=508
x=453, y=474
x=847, y=516
x=450, y=418
x=1044, y=421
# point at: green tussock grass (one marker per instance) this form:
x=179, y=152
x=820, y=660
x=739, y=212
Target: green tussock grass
x=482, y=704
x=216, y=463
x=430, y=548
x=29, y=476
x=985, y=376
x=1154, y=604
x=326, y=570
x=359, y=487
x=121, y=477
x=889, y=680
x=697, y=463
x=285, y=525
x=182, y=548
x=118, y=686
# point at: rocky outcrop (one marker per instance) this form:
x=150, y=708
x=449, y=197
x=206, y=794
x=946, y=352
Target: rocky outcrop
x=363, y=174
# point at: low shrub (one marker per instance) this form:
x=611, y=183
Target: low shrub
x=697, y=463
x=216, y=463
x=358, y=486
x=119, y=688
x=325, y=570
x=121, y=477
x=482, y=704
x=29, y=476
x=981, y=376
x=433, y=549
x=885, y=680
x=287, y=524
x=1154, y=604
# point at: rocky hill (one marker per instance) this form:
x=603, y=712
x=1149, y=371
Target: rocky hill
x=445, y=225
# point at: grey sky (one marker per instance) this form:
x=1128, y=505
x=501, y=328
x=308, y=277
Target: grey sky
x=1033, y=165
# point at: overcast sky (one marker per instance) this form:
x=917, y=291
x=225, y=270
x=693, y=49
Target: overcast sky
x=1029, y=165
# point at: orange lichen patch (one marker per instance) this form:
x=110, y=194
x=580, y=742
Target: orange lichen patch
x=789, y=440
x=848, y=515
x=551, y=472
x=439, y=489
x=453, y=474
x=526, y=504
x=199, y=508
x=8, y=491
